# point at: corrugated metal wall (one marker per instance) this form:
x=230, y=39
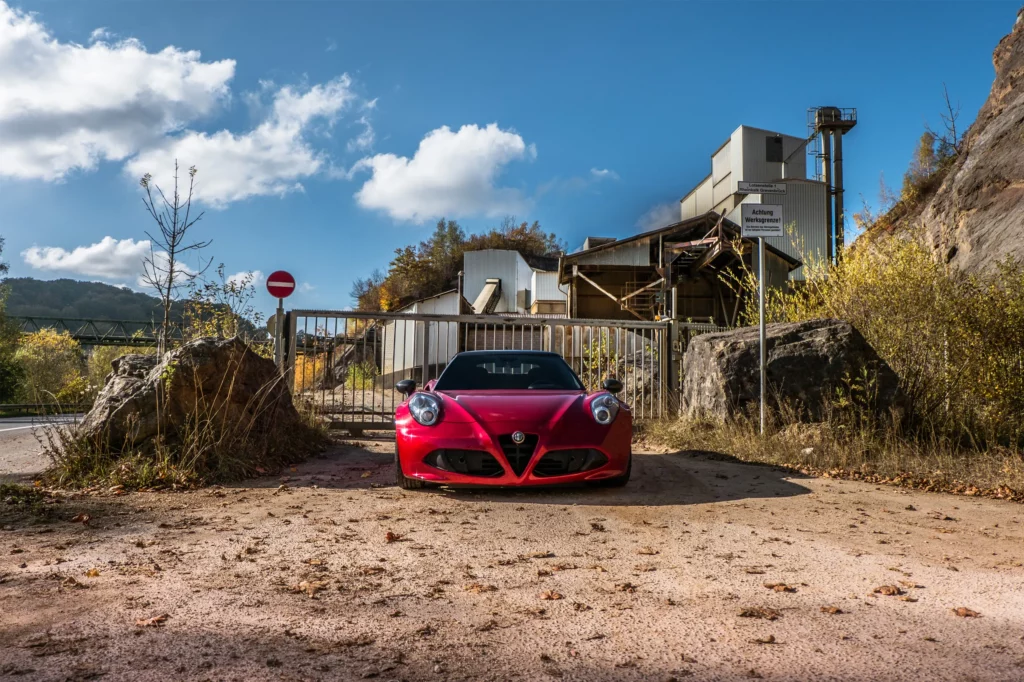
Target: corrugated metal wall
x=633, y=253
x=755, y=167
x=545, y=287
x=803, y=210
x=482, y=265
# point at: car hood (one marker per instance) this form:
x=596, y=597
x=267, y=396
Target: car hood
x=526, y=407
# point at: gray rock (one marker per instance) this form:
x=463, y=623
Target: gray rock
x=217, y=379
x=806, y=363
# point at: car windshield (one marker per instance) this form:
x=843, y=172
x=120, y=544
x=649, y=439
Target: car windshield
x=507, y=371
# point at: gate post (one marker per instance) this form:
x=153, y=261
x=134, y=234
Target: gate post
x=290, y=322
x=549, y=337
x=674, y=371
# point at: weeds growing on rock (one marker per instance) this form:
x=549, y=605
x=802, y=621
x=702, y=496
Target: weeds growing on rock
x=228, y=432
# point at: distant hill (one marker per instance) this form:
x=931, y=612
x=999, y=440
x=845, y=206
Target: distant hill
x=72, y=298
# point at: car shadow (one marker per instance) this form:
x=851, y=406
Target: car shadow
x=676, y=478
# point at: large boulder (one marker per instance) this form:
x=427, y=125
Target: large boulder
x=218, y=383
x=806, y=363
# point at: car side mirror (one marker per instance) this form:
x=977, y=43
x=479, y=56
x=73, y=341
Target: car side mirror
x=406, y=386
x=612, y=385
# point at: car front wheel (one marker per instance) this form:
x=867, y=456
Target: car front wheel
x=404, y=482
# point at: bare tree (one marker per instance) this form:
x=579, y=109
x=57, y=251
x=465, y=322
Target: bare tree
x=950, y=140
x=165, y=269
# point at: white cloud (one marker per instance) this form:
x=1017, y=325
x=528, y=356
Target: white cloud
x=576, y=183
x=101, y=33
x=253, y=277
x=306, y=287
x=451, y=174
x=364, y=141
x=659, y=216
x=603, y=174
x=331, y=46
x=108, y=259
x=269, y=160
x=64, y=106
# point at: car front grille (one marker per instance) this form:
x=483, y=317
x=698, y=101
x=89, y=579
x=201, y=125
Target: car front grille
x=518, y=454
x=562, y=462
x=468, y=462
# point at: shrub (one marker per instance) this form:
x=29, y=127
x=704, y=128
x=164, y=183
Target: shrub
x=954, y=339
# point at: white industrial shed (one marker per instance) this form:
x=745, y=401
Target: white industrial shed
x=757, y=155
x=494, y=281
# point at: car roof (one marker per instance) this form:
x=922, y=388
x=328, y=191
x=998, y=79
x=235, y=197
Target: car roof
x=506, y=352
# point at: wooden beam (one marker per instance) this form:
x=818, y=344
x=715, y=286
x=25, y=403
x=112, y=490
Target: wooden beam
x=643, y=288
x=596, y=286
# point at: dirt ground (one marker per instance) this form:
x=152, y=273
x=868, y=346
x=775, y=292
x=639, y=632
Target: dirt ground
x=701, y=568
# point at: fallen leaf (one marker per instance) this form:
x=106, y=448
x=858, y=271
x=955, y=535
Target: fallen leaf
x=551, y=595
x=831, y=610
x=626, y=587
x=92, y=573
x=906, y=598
x=965, y=612
x=647, y=551
x=153, y=622
x=72, y=584
x=780, y=587
x=82, y=518
x=760, y=612
x=597, y=527
x=392, y=537
x=755, y=571
x=541, y=555
x=477, y=588
x=310, y=587
x=888, y=590
x=770, y=639
x=911, y=584
x=366, y=474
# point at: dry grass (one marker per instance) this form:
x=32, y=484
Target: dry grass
x=215, y=443
x=879, y=452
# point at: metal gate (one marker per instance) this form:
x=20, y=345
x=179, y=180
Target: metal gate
x=345, y=364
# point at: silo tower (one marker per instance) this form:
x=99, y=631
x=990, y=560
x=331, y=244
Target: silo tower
x=827, y=126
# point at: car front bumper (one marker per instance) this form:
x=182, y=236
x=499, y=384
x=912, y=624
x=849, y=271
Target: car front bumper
x=416, y=443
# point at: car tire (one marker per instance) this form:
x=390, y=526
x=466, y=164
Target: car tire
x=404, y=482
x=617, y=481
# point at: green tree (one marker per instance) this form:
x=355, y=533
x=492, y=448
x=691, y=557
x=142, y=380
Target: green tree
x=11, y=374
x=52, y=364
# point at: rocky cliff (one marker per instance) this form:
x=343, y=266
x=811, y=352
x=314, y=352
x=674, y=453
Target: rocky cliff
x=976, y=216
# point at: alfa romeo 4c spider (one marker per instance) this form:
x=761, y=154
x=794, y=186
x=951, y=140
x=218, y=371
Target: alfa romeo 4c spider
x=511, y=418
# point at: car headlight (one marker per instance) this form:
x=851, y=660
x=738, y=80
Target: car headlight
x=604, y=408
x=425, y=408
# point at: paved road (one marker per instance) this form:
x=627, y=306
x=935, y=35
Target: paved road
x=21, y=455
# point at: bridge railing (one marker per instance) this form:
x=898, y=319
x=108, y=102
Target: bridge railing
x=97, y=332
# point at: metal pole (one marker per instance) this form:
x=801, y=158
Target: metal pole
x=760, y=293
x=279, y=328
x=837, y=178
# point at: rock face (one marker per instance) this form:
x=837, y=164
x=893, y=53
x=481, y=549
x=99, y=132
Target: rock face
x=806, y=362
x=976, y=217
x=220, y=380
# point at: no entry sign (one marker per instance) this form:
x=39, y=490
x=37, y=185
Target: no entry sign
x=281, y=284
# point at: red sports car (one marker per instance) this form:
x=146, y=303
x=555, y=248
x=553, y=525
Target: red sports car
x=511, y=418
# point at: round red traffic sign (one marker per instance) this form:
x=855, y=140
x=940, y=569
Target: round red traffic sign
x=281, y=284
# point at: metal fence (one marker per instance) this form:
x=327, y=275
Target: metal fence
x=345, y=364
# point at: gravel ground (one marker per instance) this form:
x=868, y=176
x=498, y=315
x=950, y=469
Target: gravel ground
x=338, y=574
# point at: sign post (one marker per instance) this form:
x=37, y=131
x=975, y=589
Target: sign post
x=762, y=220
x=281, y=285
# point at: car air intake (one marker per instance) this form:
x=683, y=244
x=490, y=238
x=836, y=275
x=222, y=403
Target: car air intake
x=562, y=462
x=518, y=454
x=468, y=462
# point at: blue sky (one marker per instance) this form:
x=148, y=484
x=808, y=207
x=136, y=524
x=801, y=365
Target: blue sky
x=319, y=127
